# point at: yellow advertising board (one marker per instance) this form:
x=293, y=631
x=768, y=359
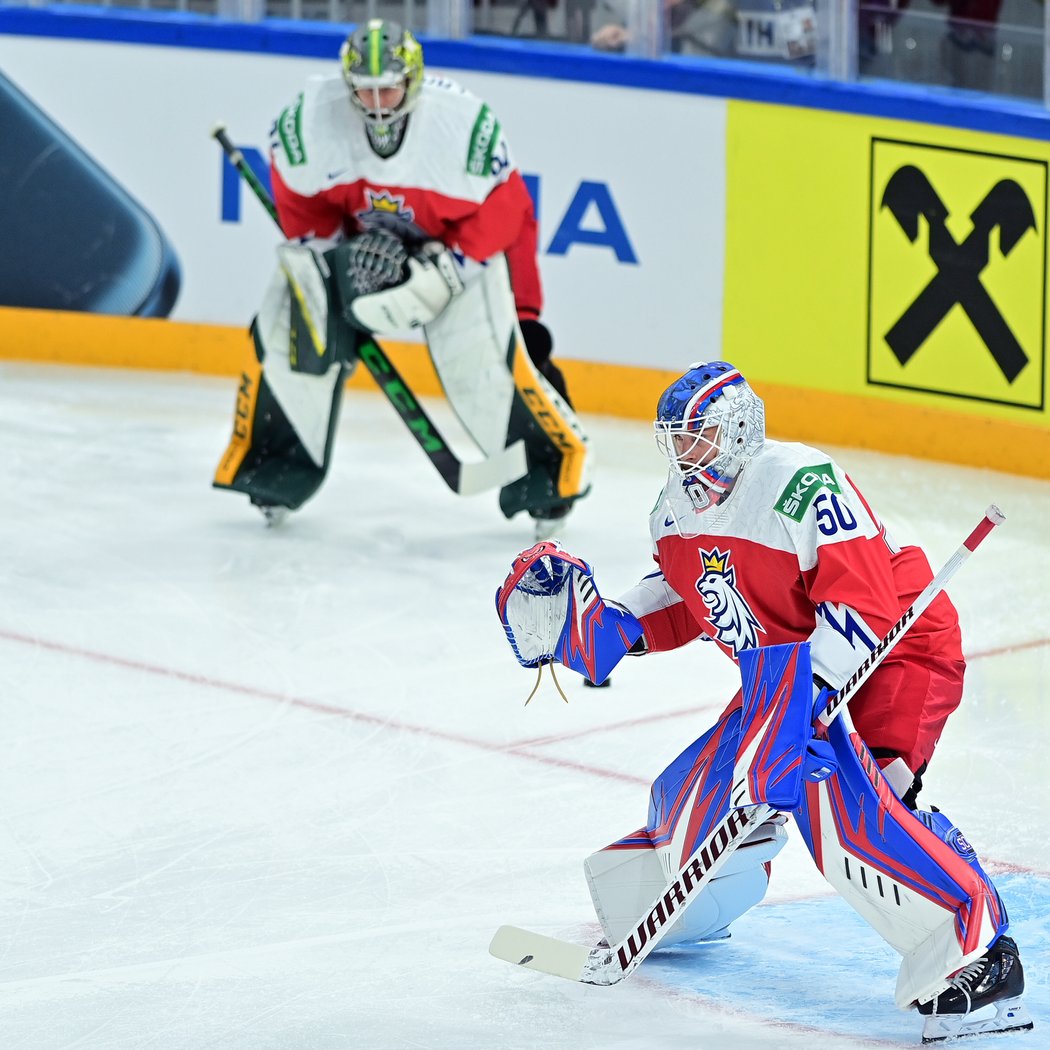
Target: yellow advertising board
x=886, y=283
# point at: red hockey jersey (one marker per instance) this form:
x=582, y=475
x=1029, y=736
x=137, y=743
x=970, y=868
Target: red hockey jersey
x=794, y=554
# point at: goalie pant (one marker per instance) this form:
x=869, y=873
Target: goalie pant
x=911, y=876
x=288, y=403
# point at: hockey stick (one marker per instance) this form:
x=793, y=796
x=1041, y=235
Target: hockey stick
x=468, y=479
x=605, y=966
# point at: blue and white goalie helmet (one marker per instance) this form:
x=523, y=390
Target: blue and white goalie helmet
x=710, y=424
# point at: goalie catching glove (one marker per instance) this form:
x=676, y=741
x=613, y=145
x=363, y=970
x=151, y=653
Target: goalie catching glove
x=551, y=610
x=385, y=288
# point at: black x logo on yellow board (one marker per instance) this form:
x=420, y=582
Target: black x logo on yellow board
x=957, y=278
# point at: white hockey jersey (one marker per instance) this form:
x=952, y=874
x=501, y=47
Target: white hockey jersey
x=452, y=178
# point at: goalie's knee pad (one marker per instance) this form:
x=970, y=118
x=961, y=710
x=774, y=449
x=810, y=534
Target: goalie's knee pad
x=559, y=454
x=738, y=887
x=283, y=426
x=625, y=882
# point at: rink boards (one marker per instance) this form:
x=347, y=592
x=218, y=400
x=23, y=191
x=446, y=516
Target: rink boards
x=675, y=225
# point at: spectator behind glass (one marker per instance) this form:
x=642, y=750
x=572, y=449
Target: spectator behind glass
x=968, y=49
x=696, y=27
x=539, y=10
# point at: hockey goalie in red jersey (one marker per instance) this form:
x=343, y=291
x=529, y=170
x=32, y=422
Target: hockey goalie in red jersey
x=761, y=544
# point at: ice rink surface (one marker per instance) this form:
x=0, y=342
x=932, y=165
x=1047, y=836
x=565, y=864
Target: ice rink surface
x=275, y=789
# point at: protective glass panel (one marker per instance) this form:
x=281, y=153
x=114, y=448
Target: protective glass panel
x=777, y=31
x=983, y=45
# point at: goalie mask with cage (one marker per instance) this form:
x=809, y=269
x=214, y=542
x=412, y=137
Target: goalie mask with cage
x=383, y=67
x=709, y=424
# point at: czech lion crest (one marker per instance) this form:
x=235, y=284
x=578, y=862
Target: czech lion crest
x=736, y=626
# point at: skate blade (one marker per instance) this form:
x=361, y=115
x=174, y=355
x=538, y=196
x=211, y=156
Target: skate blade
x=1010, y=1015
x=548, y=528
x=545, y=529
x=274, y=515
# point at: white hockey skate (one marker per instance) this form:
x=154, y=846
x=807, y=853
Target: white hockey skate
x=981, y=998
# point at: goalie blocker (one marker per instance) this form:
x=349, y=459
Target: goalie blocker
x=318, y=314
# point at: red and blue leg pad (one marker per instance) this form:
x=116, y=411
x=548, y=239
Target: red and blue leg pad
x=776, y=751
x=695, y=787
x=914, y=871
x=767, y=731
x=765, y=736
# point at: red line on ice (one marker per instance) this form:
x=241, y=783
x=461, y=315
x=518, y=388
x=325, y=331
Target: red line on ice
x=519, y=749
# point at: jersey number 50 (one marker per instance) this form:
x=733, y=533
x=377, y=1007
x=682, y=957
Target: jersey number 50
x=833, y=516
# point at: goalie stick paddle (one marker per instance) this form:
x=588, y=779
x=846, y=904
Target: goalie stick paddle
x=468, y=479
x=607, y=966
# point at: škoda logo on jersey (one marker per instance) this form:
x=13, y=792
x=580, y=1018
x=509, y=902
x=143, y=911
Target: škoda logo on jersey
x=957, y=281
x=482, y=141
x=736, y=626
x=290, y=133
x=794, y=501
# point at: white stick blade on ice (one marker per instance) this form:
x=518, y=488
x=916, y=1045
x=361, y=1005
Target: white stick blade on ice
x=494, y=472
x=536, y=952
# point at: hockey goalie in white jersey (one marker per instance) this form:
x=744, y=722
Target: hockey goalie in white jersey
x=404, y=210
x=769, y=550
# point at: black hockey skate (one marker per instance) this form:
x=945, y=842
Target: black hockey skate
x=981, y=998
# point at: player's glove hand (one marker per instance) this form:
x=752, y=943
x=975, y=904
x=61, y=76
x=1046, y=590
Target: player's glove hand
x=550, y=609
x=436, y=254
x=432, y=282
x=534, y=598
x=819, y=761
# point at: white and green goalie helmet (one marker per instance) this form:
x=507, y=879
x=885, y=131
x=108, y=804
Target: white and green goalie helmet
x=378, y=58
